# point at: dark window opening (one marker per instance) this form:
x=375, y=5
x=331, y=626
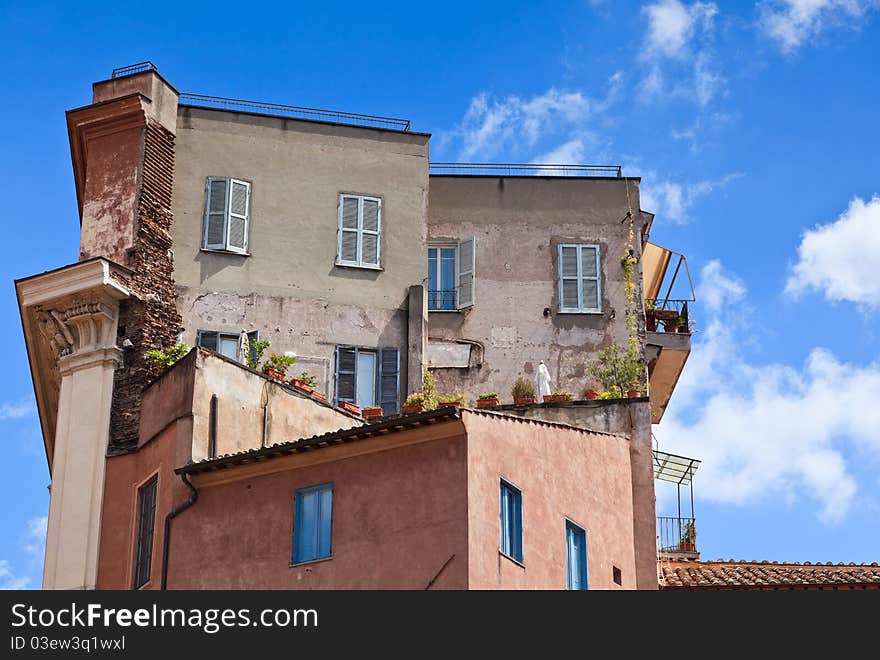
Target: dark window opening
x=145, y=523
x=618, y=576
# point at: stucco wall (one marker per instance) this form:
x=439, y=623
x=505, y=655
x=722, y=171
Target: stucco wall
x=562, y=473
x=398, y=517
x=289, y=288
x=518, y=223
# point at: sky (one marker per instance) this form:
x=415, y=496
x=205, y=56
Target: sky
x=752, y=125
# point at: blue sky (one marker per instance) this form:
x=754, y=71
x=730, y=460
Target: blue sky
x=753, y=126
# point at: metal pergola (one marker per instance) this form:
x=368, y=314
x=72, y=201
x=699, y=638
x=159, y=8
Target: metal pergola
x=678, y=470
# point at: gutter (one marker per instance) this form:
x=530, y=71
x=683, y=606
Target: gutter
x=166, y=541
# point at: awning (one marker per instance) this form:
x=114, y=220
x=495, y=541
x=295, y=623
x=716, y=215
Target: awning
x=655, y=264
x=671, y=467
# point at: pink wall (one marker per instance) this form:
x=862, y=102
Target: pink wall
x=562, y=473
x=398, y=516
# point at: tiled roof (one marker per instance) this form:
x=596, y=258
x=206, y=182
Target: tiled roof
x=731, y=574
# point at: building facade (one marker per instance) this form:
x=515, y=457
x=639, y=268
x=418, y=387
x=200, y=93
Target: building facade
x=333, y=236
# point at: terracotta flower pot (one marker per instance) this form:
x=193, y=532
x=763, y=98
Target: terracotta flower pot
x=373, y=412
x=684, y=546
x=556, y=398
x=274, y=374
x=591, y=394
x=632, y=394
x=523, y=400
x=449, y=404
x=414, y=408
x=350, y=407
x=319, y=395
x=487, y=403
x=301, y=385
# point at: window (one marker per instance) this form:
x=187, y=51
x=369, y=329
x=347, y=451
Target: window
x=511, y=521
x=576, y=562
x=227, y=215
x=312, y=523
x=368, y=377
x=225, y=343
x=360, y=231
x=451, y=275
x=145, y=522
x=580, y=287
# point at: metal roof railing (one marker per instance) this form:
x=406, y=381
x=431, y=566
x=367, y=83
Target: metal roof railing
x=296, y=112
x=132, y=69
x=526, y=169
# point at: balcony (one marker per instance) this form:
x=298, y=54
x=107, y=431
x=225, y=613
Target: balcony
x=677, y=538
x=667, y=322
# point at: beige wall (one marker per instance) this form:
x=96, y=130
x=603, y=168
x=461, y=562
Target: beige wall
x=562, y=473
x=289, y=288
x=518, y=223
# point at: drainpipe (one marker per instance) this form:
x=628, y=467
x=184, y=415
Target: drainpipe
x=166, y=541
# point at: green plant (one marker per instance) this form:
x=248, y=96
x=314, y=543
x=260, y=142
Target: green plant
x=608, y=395
x=649, y=305
x=567, y=395
x=255, y=352
x=308, y=379
x=450, y=398
x=522, y=388
x=429, y=390
x=161, y=360
x=417, y=399
x=488, y=395
x=618, y=369
x=278, y=362
x=682, y=324
x=689, y=535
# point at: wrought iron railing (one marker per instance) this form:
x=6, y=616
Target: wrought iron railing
x=667, y=316
x=132, y=69
x=296, y=112
x=525, y=169
x=676, y=534
x=441, y=301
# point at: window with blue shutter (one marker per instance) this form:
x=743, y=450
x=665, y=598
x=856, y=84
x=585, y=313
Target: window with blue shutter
x=451, y=269
x=227, y=215
x=511, y=521
x=312, y=523
x=576, y=556
x=368, y=377
x=359, y=235
x=580, y=287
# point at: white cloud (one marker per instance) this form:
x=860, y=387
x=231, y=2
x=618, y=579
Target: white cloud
x=671, y=200
x=8, y=580
x=768, y=430
x=672, y=25
x=17, y=410
x=841, y=258
x=792, y=22
x=514, y=125
x=35, y=542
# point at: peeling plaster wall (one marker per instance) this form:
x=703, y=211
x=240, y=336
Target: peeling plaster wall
x=289, y=289
x=518, y=223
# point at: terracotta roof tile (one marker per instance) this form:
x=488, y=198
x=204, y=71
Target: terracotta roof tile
x=732, y=574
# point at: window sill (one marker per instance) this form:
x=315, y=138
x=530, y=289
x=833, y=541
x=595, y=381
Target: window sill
x=598, y=312
x=339, y=265
x=507, y=556
x=230, y=252
x=310, y=561
x=445, y=311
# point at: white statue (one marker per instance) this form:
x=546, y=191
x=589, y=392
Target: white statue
x=244, y=347
x=542, y=380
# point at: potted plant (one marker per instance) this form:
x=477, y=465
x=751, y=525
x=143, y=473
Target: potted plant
x=688, y=542
x=632, y=394
x=523, y=392
x=276, y=365
x=350, y=407
x=450, y=400
x=487, y=400
x=591, y=394
x=319, y=395
x=305, y=382
x=557, y=396
x=618, y=370
x=373, y=412
x=414, y=403
x=650, y=316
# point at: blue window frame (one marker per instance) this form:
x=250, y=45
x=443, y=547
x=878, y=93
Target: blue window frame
x=312, y=523
x=441, y=278
x=511, y=521
x=576, y=552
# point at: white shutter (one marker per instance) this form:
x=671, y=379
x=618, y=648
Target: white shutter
x=569, y=298
x=591, y=300
x=466, y=270
x=217, y=198
x=239, y=210
x=347, y=250
x=371, y=210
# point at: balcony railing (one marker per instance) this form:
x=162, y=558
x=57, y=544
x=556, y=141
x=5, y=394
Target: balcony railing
x=667, y=316
x=526, y=169
x=676, y=534
x=441, y=301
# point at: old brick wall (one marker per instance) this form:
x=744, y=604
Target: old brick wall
x=151, y=319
